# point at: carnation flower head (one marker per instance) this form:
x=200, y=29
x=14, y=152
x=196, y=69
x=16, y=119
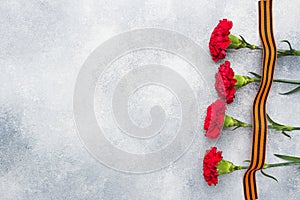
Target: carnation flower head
x=219, y=40
x=225, y=82
x=214, y=120
x=210, y=163
x=214, y=165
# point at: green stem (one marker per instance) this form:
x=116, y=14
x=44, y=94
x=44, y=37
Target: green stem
x=252, y=46
x=270, y=165
x=280, y=52
x=283, y=127
x=283, y=52
x=241, y=167
x=232, y=122
x=244, y=80
x=295, y=82
x=256, y=79
x=240, y=42
x=281, y=164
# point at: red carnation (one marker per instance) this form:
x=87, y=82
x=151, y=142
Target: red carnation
x=214, y=119
x=219, y=40
x=225, y=82
x=210, y=163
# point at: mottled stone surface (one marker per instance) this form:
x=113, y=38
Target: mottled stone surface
x=43, y=45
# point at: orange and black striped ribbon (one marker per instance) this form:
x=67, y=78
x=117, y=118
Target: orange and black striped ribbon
x=260, y=126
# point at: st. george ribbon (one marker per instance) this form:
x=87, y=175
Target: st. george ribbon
x=260, y=126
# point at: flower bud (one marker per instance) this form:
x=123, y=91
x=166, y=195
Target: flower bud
x=225, y=167
x=235, y=42
x=242, y=80
x=231, y=122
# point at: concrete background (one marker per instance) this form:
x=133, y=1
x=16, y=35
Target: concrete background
x=43, y=45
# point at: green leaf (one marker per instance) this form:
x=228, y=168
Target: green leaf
x=268, y=175
x=286, y=41
x=254, y=74
x=285, y=134
x=243, y=39
x=246, y=161
x=291, y=91
x=288, y=158
x=235, y=128
x=272, y=122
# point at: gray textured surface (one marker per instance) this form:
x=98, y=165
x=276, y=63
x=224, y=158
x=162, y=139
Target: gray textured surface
x=43, y=45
